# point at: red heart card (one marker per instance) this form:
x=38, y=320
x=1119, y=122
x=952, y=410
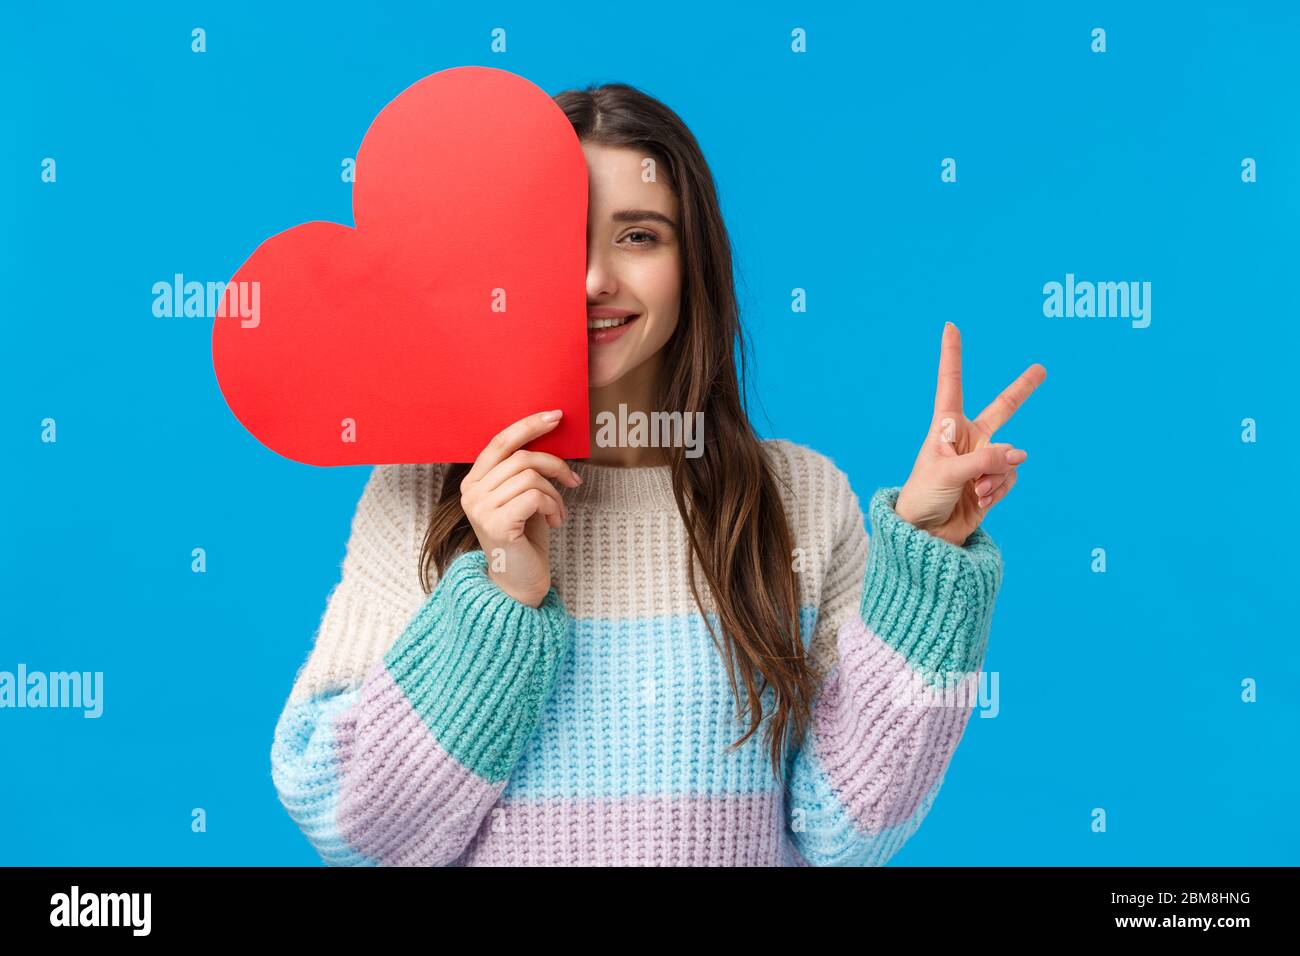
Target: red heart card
x=456, y=305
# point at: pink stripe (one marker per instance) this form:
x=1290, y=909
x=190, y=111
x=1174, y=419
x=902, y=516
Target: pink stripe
x=734, y=830
x=403, y=800
x=881, y=745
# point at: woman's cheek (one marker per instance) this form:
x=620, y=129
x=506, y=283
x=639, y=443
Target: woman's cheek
x=666, y=301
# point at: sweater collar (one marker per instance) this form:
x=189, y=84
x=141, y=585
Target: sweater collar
x=611, y=487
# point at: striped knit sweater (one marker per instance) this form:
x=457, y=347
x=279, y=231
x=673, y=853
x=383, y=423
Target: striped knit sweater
x=464, y=728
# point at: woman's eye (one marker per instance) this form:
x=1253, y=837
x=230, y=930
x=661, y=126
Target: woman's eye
x=645, y=240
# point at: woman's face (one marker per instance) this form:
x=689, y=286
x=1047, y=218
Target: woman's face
x=634, y=263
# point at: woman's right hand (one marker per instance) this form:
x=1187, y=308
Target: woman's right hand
x=512, y=507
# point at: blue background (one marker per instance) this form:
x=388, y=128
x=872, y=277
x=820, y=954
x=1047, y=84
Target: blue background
x=1118, y=690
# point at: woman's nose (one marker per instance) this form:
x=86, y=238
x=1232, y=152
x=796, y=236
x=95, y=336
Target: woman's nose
x=600, y=278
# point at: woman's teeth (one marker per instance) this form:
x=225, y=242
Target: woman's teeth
x=608, y=323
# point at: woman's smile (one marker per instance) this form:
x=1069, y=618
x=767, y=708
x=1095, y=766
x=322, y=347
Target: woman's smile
x=605, y=325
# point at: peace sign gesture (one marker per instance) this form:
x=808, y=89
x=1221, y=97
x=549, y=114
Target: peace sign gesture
x=959, y=474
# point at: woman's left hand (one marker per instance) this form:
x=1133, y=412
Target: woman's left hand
x=958, y=474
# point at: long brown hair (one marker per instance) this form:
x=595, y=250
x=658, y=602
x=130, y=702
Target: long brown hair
x=727, y=497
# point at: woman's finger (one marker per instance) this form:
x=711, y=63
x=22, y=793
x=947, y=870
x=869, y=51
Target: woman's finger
x=947, y=393
x=989, y=460
x=514, y=514
x=985, y=485
x=517, y=484
x=506, y=441
x=999, y=493
x=538, y=461
x=1000, y=410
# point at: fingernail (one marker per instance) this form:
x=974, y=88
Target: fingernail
x=552, y=416
x=984, y=503
x=983, y=487
x=1016, y=455
x=577, y=477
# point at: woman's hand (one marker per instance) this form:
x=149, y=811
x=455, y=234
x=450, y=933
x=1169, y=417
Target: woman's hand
x=512, y=507
x=958, y=474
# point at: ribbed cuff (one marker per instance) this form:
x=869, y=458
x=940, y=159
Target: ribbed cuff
x=930, y=600
x=478, y=665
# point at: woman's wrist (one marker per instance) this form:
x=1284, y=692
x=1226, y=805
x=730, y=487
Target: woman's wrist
x=904, y=508
x=530, y=597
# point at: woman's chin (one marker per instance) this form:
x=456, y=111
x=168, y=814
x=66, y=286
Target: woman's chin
x=599, y=378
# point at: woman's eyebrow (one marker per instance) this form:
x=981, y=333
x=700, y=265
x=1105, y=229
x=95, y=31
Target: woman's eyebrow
x=638, y=215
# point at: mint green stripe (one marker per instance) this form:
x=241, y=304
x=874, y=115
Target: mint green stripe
x=478, y=666
x=927, y=598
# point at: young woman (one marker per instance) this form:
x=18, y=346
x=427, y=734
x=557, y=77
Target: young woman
x=535, y=661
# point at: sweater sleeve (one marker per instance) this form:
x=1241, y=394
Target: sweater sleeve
x=396, y=761
x=908, y=619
